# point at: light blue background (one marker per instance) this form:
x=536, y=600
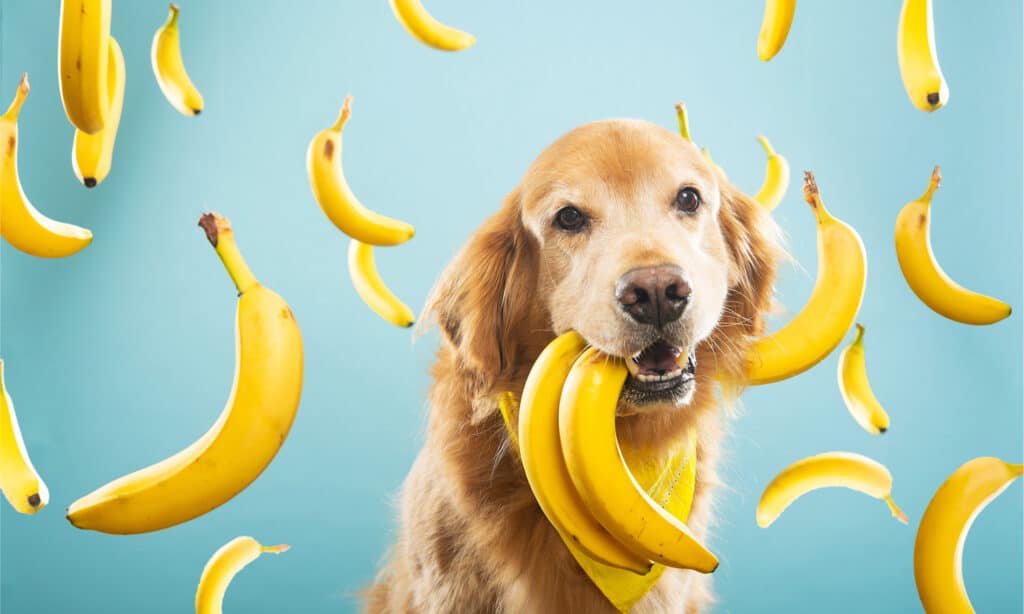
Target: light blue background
x=123, y=354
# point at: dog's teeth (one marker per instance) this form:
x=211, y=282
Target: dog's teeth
x=645, y=377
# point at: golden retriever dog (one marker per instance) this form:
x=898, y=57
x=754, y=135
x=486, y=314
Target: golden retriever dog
x=622, y=231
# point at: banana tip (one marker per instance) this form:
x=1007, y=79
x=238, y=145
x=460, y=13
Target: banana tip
x=34, y=499
x=278, y=549
x=196, y=111
x=89, y=182
x=208, y=222
x=882, y=430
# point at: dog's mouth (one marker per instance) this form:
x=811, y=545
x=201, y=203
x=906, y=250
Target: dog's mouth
x=660, y=372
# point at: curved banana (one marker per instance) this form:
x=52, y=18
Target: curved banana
x=924, y=275
x=84, y=54
x=371, y=288
x=331, y=190
x=590, y=447
x=427, y=30
x=92, y=154
x=169, y=68
x=684, y=121
x=776, y=178
x=21, y=485
x=778, y=17
x=245, y=438
x=222, y=567
x=825, y=319
x=540, y=450
x=20, y=223
x=939, y=548
x=919, y=65
x=856, y=389
x=844, y=469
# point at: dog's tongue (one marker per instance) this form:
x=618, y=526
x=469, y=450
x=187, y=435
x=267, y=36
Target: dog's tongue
x=658, y=359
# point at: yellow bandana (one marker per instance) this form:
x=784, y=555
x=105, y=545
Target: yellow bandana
x=668, y=480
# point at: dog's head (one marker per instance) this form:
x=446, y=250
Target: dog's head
x=622, y=231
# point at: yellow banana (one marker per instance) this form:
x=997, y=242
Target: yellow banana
x=92, y=154
x=222, y=567
x=856, y=389
x=20, y=223
x=427, y=30
x=540, y=450
x=169, y=68
x=83, y=62
x=844, y=469
x=778, y=17
x=924, y=275
x=939, y=548
x=591, y=450
x=243, y=441
x=331, y=190
x=371, y=288
x=776, y=178
x=825, y=319
x=684, y=121
x=21, y=485
x=919, y=65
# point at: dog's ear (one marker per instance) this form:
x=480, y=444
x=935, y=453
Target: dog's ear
x=753, y=241
x=481, y=302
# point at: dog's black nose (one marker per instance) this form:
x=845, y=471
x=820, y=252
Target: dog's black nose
x=654, y=295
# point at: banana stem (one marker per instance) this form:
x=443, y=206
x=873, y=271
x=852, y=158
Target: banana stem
x=858, y=340
x=813, y=197
x=346, y=112
x=19, y=99
x=278, y=549
x=896, y=511
x=172, y=21
x=684, y=121
x=767, y=146
x=219, y=233
x=933, y=184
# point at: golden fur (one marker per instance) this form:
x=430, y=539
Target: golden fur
x=472, y=538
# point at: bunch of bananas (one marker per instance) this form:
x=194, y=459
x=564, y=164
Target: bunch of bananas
x=570, y=454
x=366, y=227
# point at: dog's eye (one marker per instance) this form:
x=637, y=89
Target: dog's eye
x=570, y=218
x=688, y=200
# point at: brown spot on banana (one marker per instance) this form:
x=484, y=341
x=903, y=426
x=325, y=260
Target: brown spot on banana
x=922, y=219
x=11, y=142
x=328, y=148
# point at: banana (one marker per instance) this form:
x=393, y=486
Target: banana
x=924, y=275
x=243, y=441
x=222, y=567
x=939, y=548
x=93, y=153
x=776, y=178
x=845, y=469
x=540, y=450
x=684, y=121
x=427, y=30
x=20, y=223
x=825, y=319
x=331, y=190
x=919, y=65
x=778, y=17
x=84, y=61
x=372, y=289
x=856, y=389
x=21, y=485
x=590, y=448
x=169, y=68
